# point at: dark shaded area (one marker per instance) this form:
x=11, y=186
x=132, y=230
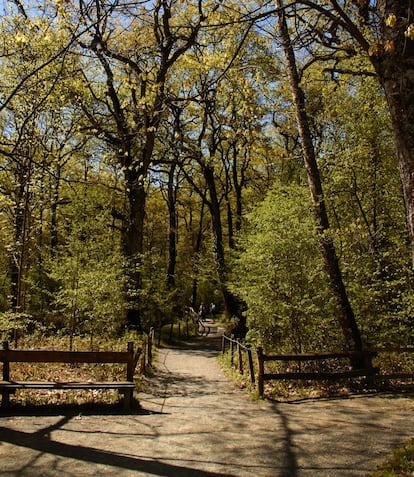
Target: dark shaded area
x=43, y=444
x=204, y=344
x=71, y=410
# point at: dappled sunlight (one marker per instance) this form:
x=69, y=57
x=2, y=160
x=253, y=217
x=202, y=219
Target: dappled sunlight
x=192, y=421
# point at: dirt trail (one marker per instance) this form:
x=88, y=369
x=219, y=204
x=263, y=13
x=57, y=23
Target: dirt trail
x=195, y=423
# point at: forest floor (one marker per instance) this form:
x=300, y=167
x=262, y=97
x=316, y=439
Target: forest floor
x=192, y=421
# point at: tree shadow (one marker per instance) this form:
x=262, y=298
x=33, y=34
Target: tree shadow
x=211, y=343
x=71, y=410
x=386, y=393
x=39, y=441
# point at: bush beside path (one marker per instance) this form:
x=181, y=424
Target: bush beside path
x=194, y=422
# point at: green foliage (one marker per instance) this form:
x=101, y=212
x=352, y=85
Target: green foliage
x=13, y=322
x=365, y=202
x=400, y=464
x=160, y=303
x=88, y=271
x=64, y=162
x=279, y=274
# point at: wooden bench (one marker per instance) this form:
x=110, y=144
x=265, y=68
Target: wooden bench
x=9, y=386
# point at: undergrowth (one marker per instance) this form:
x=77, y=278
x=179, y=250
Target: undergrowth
x=400, y=464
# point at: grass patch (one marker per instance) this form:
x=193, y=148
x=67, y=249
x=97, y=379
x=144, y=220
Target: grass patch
x=400, y=464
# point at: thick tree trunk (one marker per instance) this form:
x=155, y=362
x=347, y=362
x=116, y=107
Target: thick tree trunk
x=393, y=61
x=346, y=316
x=133, y=246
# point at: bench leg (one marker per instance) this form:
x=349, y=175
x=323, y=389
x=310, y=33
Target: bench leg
x=5, y=399
x=128, y=397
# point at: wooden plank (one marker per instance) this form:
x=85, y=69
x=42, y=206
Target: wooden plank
x=322, y=375
x=316, y=356
x=51, y=356
x=406, y=349
x=55, y=385
x=395, y=376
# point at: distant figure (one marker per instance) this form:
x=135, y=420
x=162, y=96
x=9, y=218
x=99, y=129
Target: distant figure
x=202, y=311
x=212, y=308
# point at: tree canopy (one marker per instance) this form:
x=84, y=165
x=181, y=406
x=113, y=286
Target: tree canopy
x=152, y=157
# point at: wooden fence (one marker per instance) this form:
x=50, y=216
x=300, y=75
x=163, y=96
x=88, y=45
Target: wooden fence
x=330, y=375
x=235, y=346
x=240, y=353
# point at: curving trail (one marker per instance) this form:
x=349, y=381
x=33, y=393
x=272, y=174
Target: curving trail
x=195, y=423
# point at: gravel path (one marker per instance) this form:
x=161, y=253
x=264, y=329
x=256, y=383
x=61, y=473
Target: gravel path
x=196, y=423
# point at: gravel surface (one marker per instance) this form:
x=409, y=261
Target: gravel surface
x=194, y=422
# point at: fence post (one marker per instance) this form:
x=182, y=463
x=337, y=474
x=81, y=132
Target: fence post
x=232, y=350
x=149, y=345
x=223, y=344
x=130, y=364
x=251, y=366
x=260, y=378
x=240, y=356
x=144, y=355
x=5, y=399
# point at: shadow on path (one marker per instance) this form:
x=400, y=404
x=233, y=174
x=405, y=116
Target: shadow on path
x=203, y=344
x=72, y=410
x=43, y=444
x=197, y=423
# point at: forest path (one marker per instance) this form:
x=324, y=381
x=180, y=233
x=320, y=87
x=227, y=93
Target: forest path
x=194, y=422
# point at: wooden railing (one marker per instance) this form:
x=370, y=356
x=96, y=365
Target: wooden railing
x=363, y=356
x=235, y=346
x=321, y=369
x=400, y=374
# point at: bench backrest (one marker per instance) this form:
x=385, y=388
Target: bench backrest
x=53, y=356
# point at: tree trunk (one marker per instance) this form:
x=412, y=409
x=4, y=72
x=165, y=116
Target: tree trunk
x=237, y=184
x=172, y=232
x=232, y=305
x=53, y=212
x=196, y=254
x=346, y=316
x=393, y=61
x=17, y=258
x=133, y=245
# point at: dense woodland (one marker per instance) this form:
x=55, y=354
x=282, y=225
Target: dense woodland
x=159, y=154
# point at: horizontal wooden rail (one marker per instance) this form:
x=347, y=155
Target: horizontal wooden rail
x=66, y=385
x=367, y=371
x=318, y=356
x=322, y=375
x=51, y=356
x=391, y=349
